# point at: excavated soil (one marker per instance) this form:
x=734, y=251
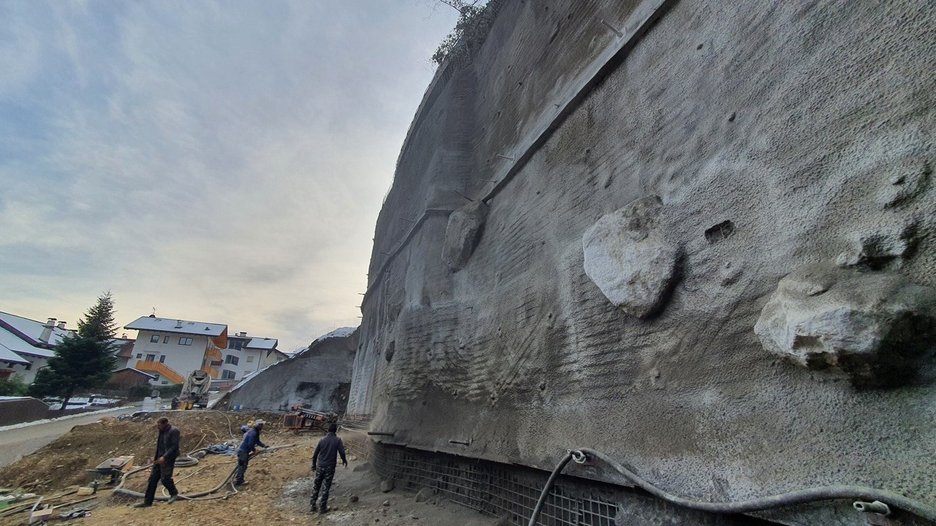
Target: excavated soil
x=279, y=480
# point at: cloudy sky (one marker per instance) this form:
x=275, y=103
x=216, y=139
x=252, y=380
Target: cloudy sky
x=219, y=161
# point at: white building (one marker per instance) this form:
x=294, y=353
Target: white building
x=170, y=349
x=245, y=355
x=26, y=345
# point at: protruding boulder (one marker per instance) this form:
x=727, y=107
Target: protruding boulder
x=874, y=327
x=462, y=234
x=627, y=257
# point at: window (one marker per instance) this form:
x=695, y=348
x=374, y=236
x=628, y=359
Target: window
x=228, y=375
x=231, y=359
x=139, y=355
x=150, y=357
x=164, y=382
x=162, y=359
x=250, y=359
x=185, y=341
x=165, y=339
x=154, y=338
x=235, y=344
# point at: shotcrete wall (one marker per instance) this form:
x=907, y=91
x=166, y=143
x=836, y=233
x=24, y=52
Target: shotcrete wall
x=704, y=150
x=318, y=377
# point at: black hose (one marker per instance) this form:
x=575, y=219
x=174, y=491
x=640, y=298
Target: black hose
x=765, y=503
x=549, y=483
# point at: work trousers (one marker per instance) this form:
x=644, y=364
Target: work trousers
x=160, y=473
x=243, y=458
x=323, y=482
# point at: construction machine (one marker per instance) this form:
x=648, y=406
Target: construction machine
x=195, y=390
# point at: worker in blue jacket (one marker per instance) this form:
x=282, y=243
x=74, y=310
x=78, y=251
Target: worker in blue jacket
x=324, y=462
x=249, y=444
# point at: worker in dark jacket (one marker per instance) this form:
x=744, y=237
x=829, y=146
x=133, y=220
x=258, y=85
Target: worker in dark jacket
x=249, y=444
x=167, y=450
x=324, y=462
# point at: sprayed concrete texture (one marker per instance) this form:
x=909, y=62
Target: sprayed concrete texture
x=777, y=137
x=317, y=378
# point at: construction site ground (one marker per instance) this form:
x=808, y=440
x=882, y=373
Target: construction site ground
x=280, y=481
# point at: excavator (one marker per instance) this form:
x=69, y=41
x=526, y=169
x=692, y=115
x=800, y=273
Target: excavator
x=195, y=391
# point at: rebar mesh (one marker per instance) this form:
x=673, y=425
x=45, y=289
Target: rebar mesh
x=495, y=489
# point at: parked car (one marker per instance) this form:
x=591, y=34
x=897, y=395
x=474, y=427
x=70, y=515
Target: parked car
x=72, y=404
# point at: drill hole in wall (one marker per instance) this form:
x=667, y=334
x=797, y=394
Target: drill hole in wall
x=722, y=230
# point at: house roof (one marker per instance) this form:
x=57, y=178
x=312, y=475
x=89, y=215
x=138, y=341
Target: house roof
x=125, y=346
x=15, y=340
x=31, y=331
x=198, y=328
x=267, y=344
x=137, y=371
x=7, y=355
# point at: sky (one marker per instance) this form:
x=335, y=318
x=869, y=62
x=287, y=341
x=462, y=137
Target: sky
x=221, y=162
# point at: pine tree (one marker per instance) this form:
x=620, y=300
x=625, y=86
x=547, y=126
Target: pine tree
x=99, y=321
x=84, y=361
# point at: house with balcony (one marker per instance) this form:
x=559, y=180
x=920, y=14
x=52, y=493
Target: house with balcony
x=26, y=345
x=248, y=354
x=170, y=349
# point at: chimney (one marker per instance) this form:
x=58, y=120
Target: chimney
x=242, y=334
x=47, y=330
x=61, y=325
x=178, y=324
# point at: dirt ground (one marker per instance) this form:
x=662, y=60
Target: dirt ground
x=280, y=480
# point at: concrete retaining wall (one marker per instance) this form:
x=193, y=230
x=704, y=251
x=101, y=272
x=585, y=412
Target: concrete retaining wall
x=319, y=377
x=776, y=136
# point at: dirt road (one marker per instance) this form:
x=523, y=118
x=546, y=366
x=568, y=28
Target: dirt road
x=19, y=442
x=278, y=492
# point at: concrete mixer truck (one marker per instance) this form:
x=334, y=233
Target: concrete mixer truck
x=195, y=391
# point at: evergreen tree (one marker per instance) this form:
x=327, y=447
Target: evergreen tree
x=99, y=321
x=84, y=361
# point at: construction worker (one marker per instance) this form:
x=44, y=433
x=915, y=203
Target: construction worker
x=167, y=450
x=324, y=462
x=248, y=445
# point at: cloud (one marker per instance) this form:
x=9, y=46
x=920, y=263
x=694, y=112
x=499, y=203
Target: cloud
x=223, y=161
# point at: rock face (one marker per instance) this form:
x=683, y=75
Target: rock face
x=873, y=327
x=462, y=234
x=628, y=259
x=318, y=377
x=775, y=138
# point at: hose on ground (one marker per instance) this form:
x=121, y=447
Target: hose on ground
x=760, y=504
x=203, y=495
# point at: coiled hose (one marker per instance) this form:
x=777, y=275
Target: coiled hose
x=760, y=504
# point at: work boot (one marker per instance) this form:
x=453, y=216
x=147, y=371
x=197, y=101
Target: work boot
x=241, y=483
x=313, y=508
x=172, y=498
x=141, y=505
x=324, y=509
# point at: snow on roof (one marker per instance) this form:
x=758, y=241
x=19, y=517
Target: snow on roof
x=33, y=329
x=267, y=344
x=149, y=323
x=18, y=345
x=7, y=355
